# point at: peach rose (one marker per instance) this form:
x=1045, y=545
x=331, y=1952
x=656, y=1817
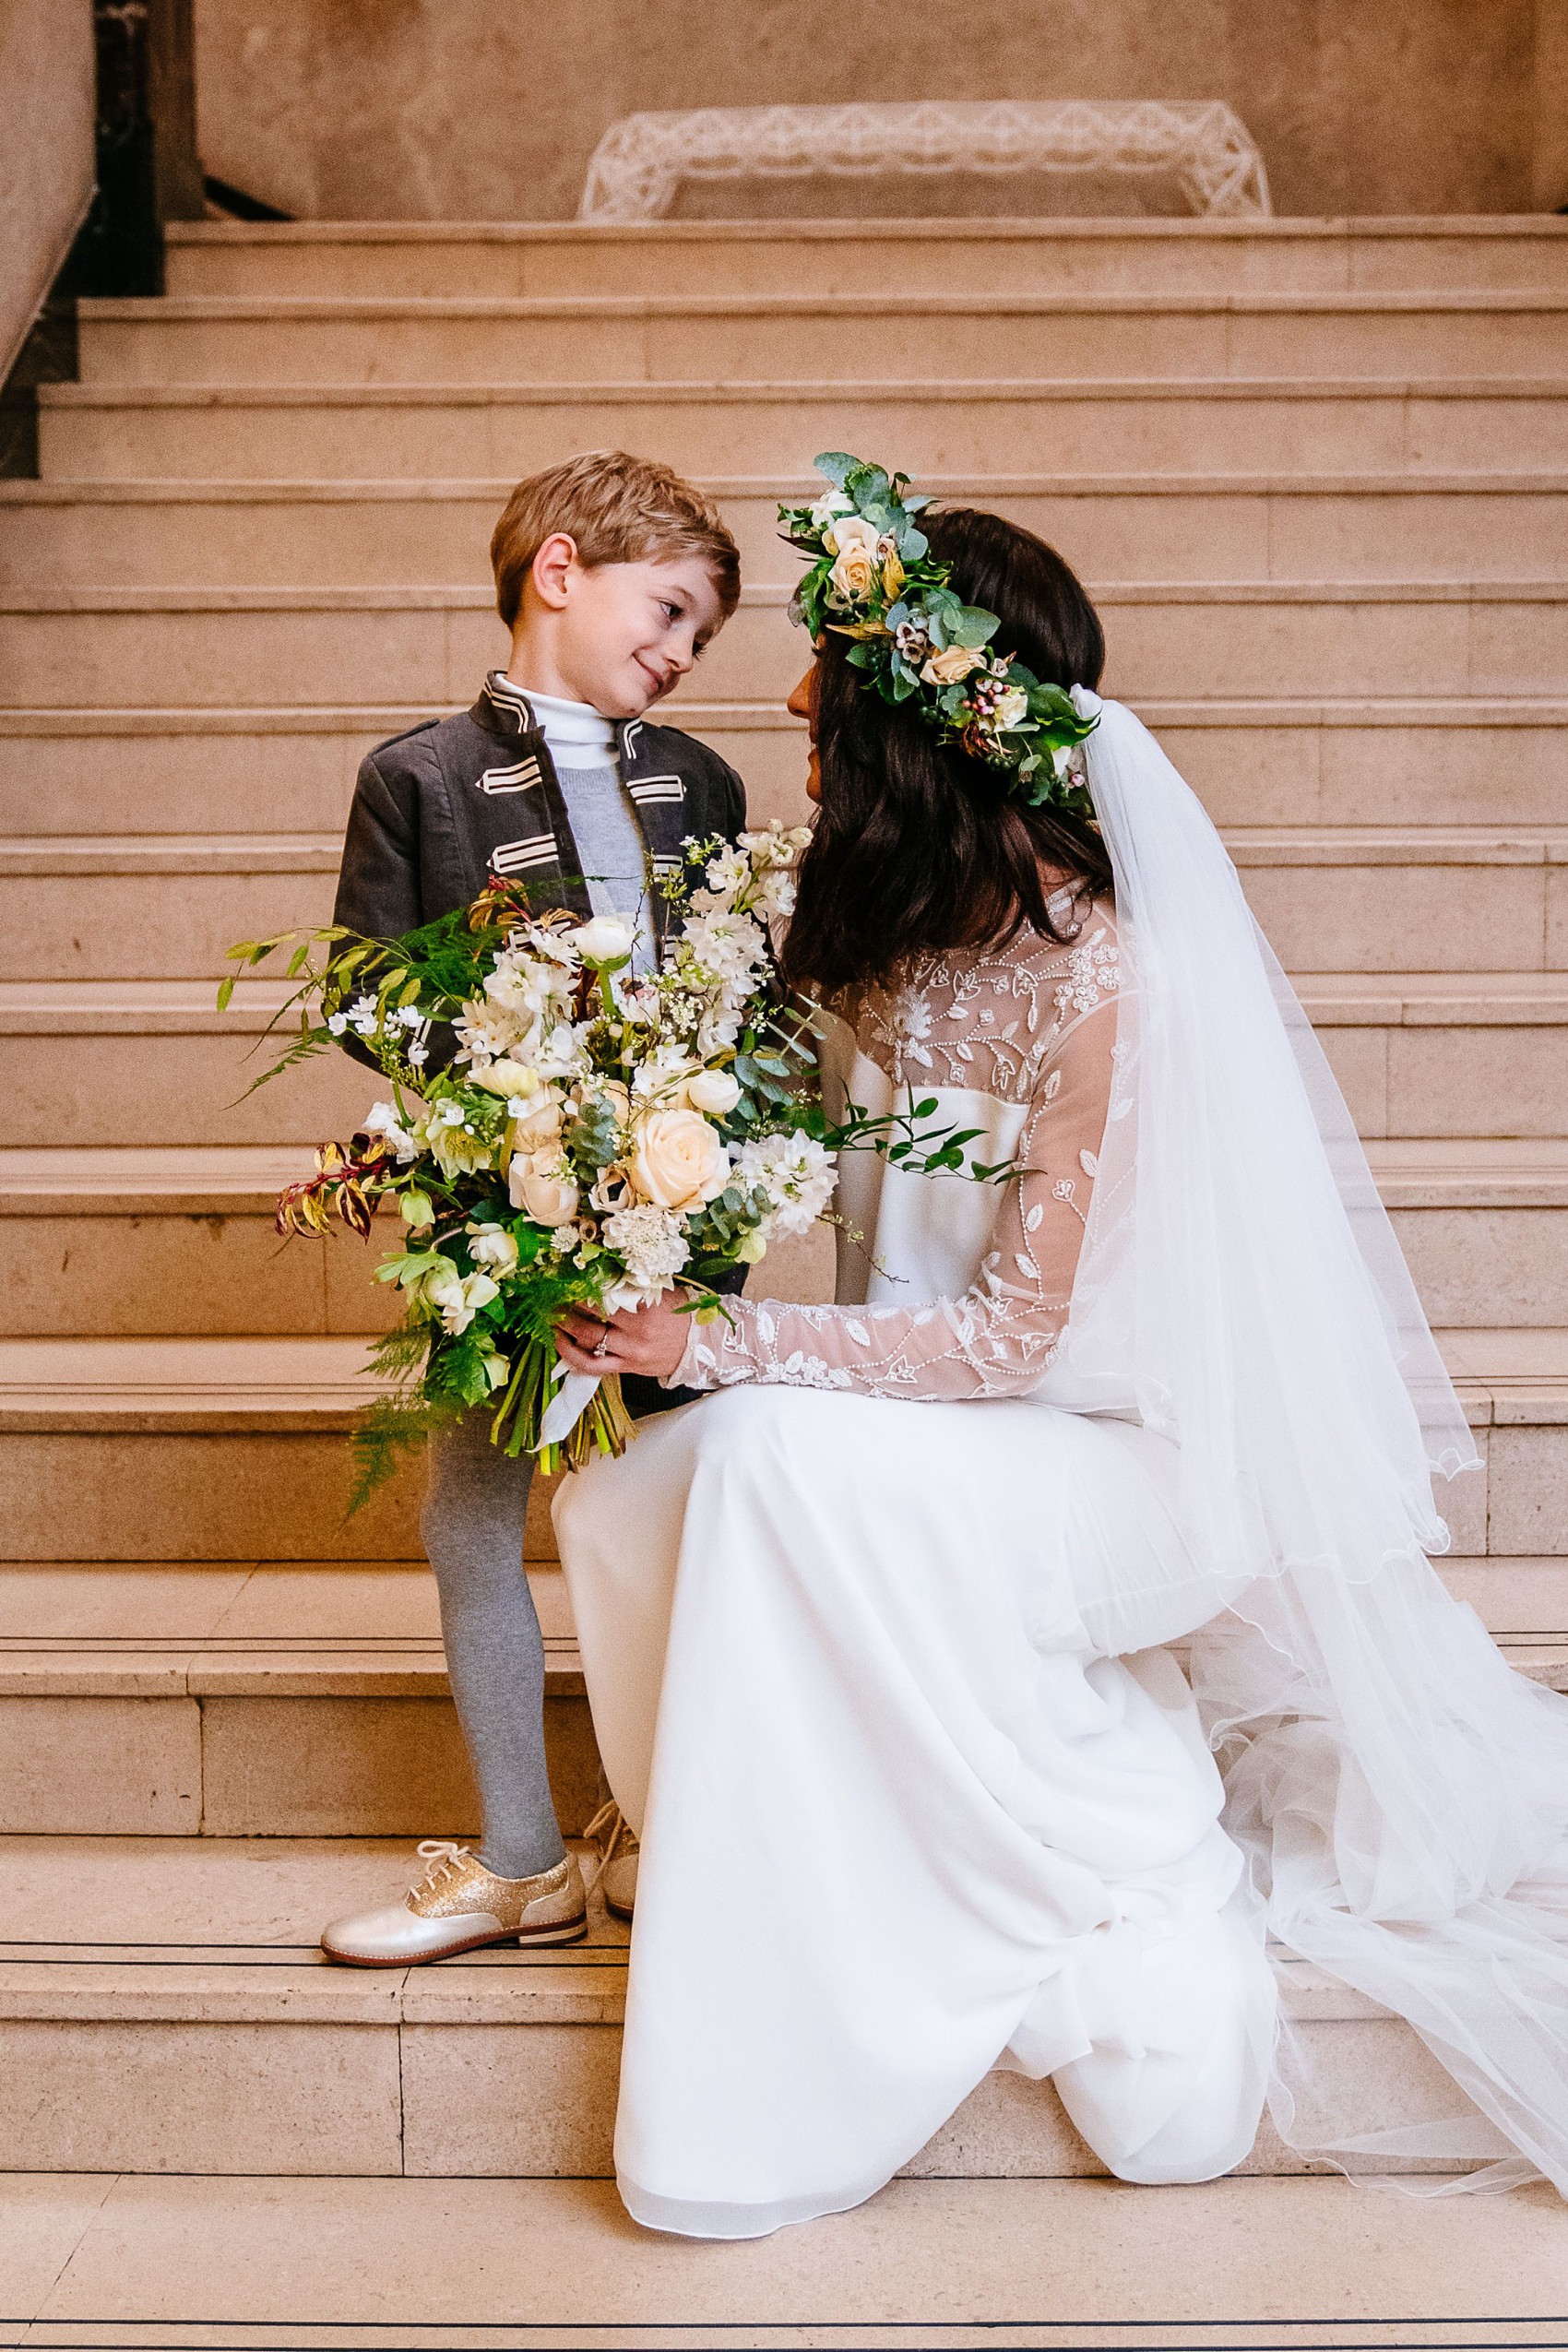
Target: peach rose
x=678, y=1160
x=954, y=662
x=536, y=1188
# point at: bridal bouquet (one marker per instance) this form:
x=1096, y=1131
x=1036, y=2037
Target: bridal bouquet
x=594, y=1140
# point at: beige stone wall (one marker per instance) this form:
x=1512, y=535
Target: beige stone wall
x=489, y=108
x=46, y=76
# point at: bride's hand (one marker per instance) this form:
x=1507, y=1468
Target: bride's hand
x=651, y=1340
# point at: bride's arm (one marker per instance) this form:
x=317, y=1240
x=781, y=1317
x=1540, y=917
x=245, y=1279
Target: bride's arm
x=1000, y=1337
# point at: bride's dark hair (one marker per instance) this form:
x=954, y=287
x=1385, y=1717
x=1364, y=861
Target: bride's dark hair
x=918, y=846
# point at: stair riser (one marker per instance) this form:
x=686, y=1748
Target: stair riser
x=1161, y=341
x=501, y=2100
x=862, y=258
x=255, y=776
x=1332, y=918
x=263, y=1767
x=81, y=1087
x=252, y=1493
x=1188, y=432
x=443, y=541
x=303, y=655
x=173, y=1276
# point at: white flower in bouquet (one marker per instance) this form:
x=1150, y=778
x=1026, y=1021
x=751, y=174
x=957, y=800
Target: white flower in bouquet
x=664, y=1073
x=563, y=1053
x=382, y=1120
x=454, y=1146
x=717, y=1032
x=652, y=1246
x=726, y=872
x=493, y=1246
x=794, y=1173
x=714, y=1091
x=508, y=1077
x=457, y=1298
x=605, y=939
x=490, y=1033
x=678, y=1161
x=539, y=1184
x=732, y=946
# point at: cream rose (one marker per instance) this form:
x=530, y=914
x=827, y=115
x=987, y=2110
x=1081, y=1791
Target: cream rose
x=853, y=577
x=715, y=1091
x=540, y=1124
x=1012, y=706
x=679, y=1159
x=955, y=662
x=605, y=939
x=539, y=1191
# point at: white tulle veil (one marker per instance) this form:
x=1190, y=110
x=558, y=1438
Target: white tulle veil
x=1402, y=1795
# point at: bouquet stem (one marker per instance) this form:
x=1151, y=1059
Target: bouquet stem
x=604, y=1426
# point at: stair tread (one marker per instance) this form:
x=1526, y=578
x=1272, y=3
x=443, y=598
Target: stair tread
x=217, y=1930
x=764, y=595
x=188, y=1179
x=1022, y=301
x=1335, y=228
x=946, y=390
x=1261, y=845
x=424, y=491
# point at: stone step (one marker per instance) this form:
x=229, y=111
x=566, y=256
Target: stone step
x=1372, y=898
x=264, y=339
x=91, y=1062
x=508, y=258
x=1270, y=761
x=231, y=1449
x=122, y=2264
x=150, y=1243
x=255, y=1701
x=102, y=432
x=211, y=1996
x=111, y=648
x=1157, y=527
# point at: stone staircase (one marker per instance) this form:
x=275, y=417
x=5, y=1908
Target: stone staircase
x=1315, y=475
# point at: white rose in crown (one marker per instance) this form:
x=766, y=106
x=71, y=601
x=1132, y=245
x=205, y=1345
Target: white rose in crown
x=605, y=939
x=850, y=531
x=678, y=1160
x=1012, y=706
x=952, y=664
x=715, y=1091
x=534, y=1186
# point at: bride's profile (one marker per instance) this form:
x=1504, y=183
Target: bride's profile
x=878, y=1637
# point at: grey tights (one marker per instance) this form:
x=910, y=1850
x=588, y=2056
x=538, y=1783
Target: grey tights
x=472, y=1525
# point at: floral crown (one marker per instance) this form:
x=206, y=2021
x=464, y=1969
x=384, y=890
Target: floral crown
x=872, y=577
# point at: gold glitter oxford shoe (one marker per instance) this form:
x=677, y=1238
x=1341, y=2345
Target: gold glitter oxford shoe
x=618, y=1850
x=460, y=1904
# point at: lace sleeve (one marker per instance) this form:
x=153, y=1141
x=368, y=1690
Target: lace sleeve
x=1000, y=1337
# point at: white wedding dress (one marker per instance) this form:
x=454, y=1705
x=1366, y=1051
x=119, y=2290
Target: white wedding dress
x=874, y=1635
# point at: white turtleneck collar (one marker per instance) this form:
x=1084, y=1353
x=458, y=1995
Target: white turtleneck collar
x=578, y=736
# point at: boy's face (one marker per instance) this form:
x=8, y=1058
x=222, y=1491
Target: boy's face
x=624, y=634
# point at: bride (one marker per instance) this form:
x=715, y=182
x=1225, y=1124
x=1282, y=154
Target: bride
x=877, y=1637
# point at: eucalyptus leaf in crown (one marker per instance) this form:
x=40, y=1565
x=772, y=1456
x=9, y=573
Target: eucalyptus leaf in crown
x=872, y=577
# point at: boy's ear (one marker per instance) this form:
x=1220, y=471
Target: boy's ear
x=551, y=568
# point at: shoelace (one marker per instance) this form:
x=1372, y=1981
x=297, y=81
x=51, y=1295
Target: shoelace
x=612, y=1834
x=441, y=1858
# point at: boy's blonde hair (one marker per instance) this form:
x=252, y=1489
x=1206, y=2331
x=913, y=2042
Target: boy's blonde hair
x=619, y=509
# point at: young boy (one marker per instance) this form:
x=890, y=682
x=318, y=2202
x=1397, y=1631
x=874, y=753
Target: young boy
x=613, y=575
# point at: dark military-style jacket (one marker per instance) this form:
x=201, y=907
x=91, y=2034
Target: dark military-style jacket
x=456, y=803
x=443, y=811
